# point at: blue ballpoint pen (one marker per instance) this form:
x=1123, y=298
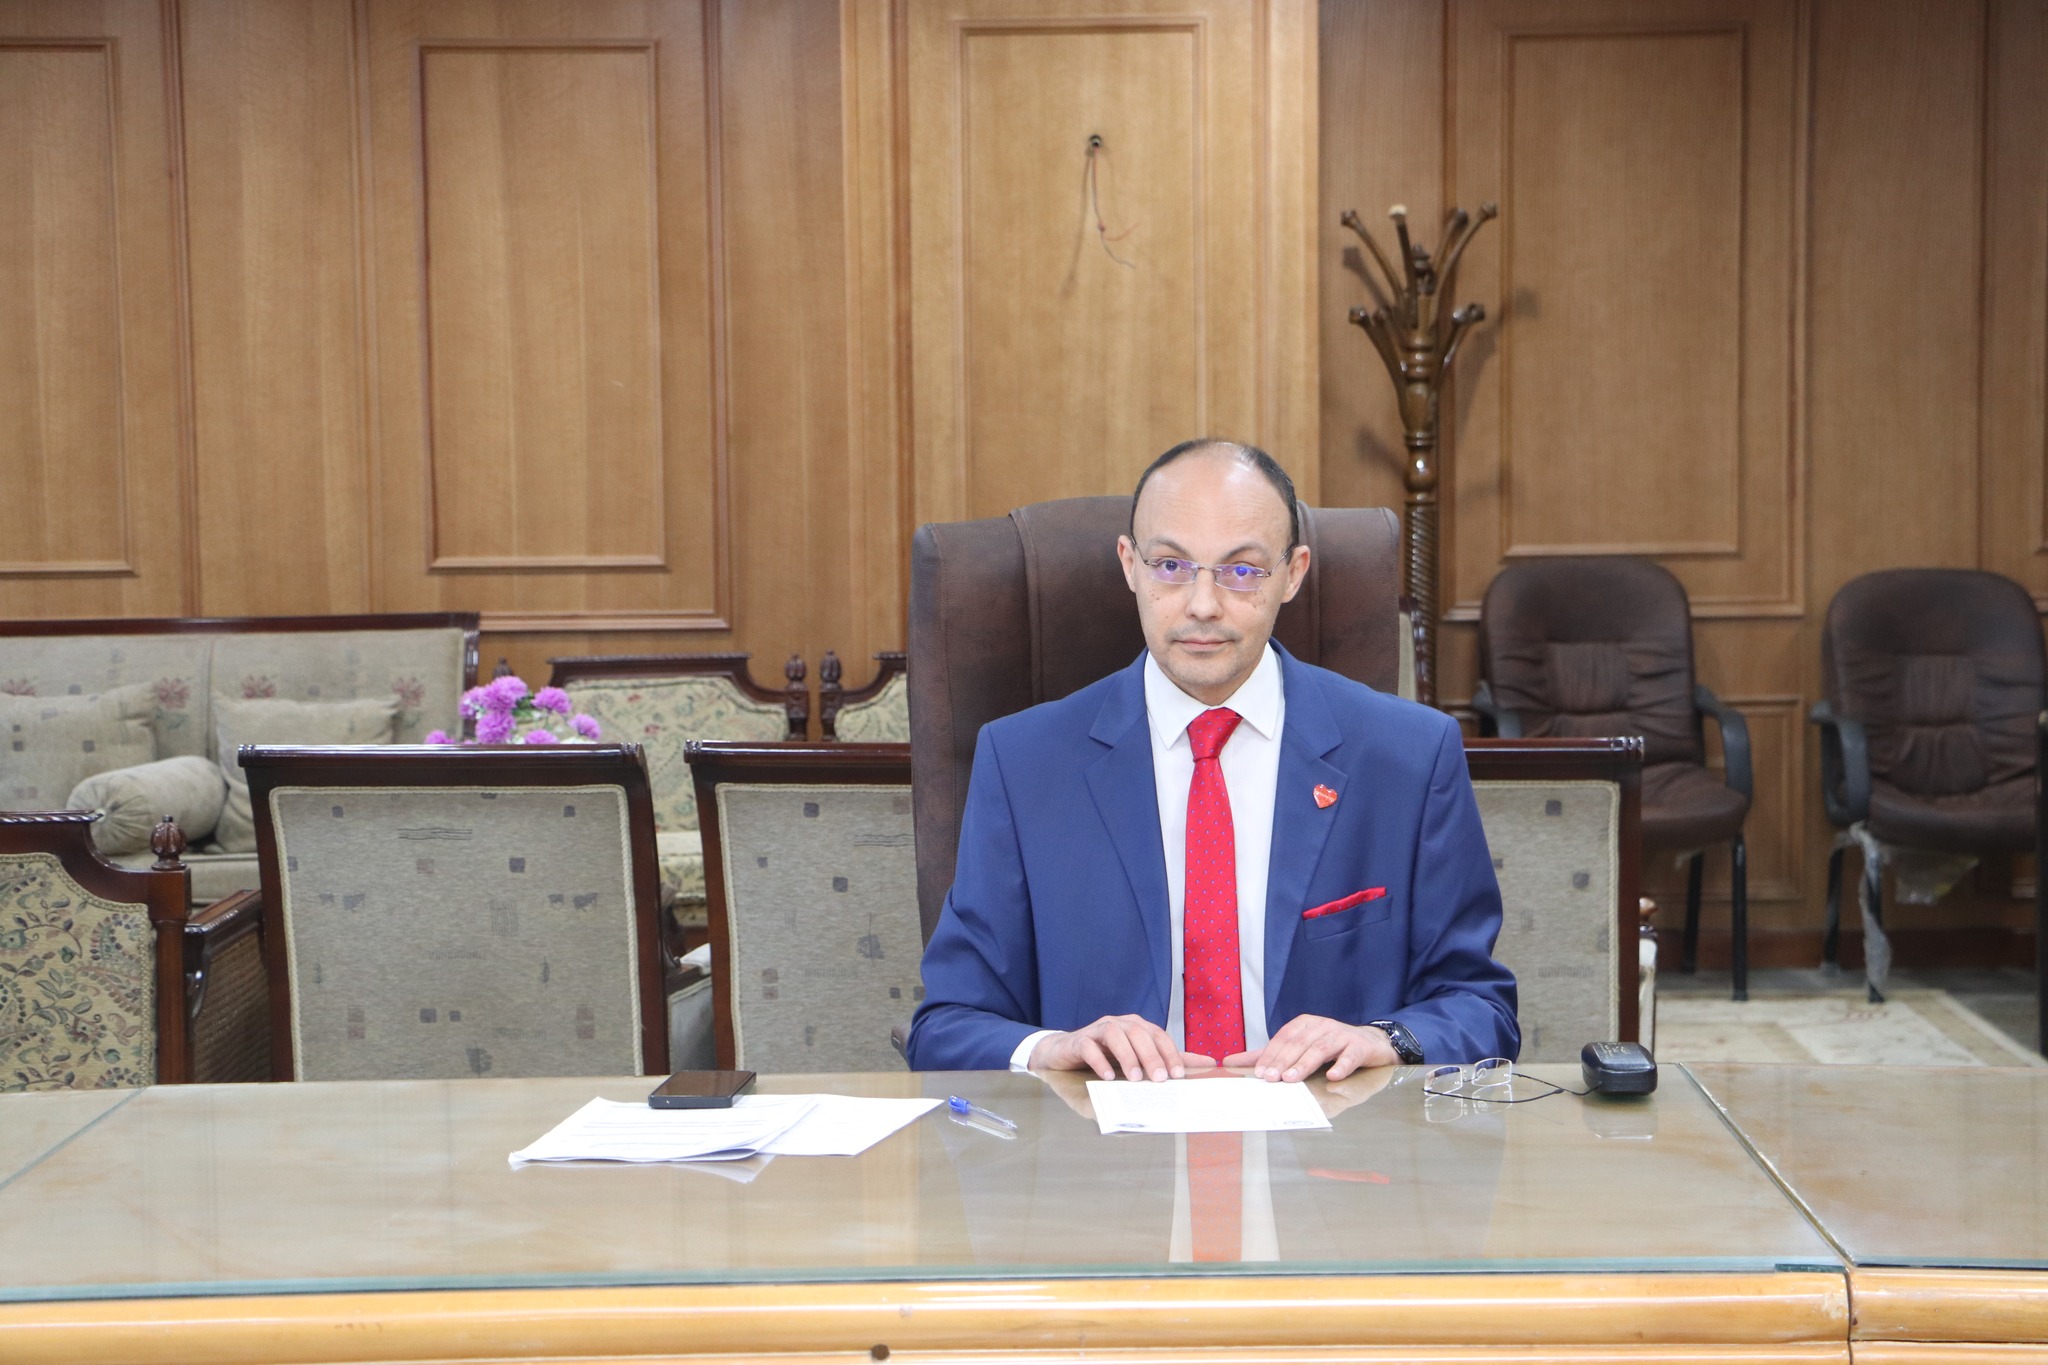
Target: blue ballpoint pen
x=964, y=1112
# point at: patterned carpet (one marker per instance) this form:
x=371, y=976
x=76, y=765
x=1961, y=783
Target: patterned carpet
x=1914, y=1027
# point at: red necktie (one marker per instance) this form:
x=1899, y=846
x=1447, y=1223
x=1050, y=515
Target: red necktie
x=1215, y=1000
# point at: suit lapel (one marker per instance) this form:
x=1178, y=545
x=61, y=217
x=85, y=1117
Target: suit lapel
x=1127, y=797
x=1300, y=826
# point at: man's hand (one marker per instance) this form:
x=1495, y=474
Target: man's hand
x=1307, y=1041
x=1138, y=1045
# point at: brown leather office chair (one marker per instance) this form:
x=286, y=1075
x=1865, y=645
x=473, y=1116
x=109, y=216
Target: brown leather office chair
x=1603, y=646
x=1932, y=683
x=1008, y=612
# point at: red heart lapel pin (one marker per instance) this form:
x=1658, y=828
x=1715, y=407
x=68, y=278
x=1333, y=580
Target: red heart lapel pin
x=1325, y=798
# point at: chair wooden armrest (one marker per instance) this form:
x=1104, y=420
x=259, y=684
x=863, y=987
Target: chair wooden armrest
x=227, y=995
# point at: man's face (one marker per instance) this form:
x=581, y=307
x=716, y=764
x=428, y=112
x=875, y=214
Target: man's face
x=1210, y=508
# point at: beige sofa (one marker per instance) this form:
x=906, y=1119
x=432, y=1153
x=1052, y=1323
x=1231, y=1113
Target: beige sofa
x=421, y=663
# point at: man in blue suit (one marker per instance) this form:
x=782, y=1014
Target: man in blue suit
x=1220, y=853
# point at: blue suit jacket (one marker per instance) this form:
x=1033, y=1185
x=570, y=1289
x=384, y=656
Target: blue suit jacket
x=1058, y=913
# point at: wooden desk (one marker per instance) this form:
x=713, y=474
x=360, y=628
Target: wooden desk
x=369, y=1222
x=1932, y=1181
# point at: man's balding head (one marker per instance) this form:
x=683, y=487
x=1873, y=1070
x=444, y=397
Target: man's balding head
x=1215, y=505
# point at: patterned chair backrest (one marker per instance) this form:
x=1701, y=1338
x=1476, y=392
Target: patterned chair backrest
x=662, y=702
x=811, y=869
x=1561, y=821
x=447, y=913
x=882, y=719
x=81, y=966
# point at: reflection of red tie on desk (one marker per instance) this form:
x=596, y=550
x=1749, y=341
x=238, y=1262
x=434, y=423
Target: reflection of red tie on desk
x=1216, y=1196
x=1215, y=998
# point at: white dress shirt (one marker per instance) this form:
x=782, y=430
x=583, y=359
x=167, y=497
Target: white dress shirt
x=1251, y=775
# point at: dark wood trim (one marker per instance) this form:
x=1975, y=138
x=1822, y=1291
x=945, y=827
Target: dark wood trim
x=465, y=621
x=165, y=888
x=833, y=698
x=798, y=765
x=209, y=933
x=794, y=697
x=1617, y=760
x=485, y=765
x=1965, y=946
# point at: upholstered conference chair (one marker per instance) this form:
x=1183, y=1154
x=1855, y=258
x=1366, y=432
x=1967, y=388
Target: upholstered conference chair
x=1931, y=682
x=432, y=912
x=1603, y=646
x=102, y=973
x=811, y=866
x=1011, y=611
x=1563, y=822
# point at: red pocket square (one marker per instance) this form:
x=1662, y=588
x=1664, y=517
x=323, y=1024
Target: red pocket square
x=1371, y=893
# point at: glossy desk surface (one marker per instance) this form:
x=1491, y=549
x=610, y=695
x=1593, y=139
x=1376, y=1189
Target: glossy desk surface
x=335, y=1188
x=1905, y=1166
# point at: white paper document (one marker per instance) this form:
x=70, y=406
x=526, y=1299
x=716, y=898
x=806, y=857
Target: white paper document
x=842, y=1125
x=612, y=1130
x=1217, y=1104
x=764, y=1125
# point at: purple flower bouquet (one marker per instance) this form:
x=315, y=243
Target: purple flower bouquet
x=507, y=712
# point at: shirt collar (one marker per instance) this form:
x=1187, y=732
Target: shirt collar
x=1257, y=699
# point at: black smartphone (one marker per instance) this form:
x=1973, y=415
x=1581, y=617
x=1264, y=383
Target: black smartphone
x=700, y=1090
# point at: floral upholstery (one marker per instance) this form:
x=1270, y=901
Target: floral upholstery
x=77, y=982
x=48, y=745
x=662, y=715
x=445, y=932
x=882, y=719
x=681, y=854
x=420, y=670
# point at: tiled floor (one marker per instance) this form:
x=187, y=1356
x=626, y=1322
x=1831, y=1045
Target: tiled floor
x=2003, y=996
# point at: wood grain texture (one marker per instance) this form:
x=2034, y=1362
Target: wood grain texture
x=548, y=315
x=1651, y=1317
x=270, y=129
x=1634, y=393
x=1075, y=309
x=2015, y=395
x=1910, y=371
x=93, y=427
x=1950, y=1306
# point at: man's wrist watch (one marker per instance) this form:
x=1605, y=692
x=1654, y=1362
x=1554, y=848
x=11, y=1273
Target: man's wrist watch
x=1404, y=1042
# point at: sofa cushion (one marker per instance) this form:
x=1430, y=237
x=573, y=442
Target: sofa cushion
x=173, y=666
x=419, y=671
x=246, y=720
x=130, y=801
x=48, y=745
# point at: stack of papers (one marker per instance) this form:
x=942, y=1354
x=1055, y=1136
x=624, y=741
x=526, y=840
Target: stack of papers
x=755, y=1125
x=1210, y=1104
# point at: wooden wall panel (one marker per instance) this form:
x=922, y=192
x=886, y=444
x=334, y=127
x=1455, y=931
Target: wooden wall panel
x=1382, y=137
x=1893, y=412
x=1897, y=286
x=1634, y=392
x=60, y=311
x=93, y=431
x=543, y=307
x=270, y=134
x=547, y=319
x=1077, y=308
x=2015, y=411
